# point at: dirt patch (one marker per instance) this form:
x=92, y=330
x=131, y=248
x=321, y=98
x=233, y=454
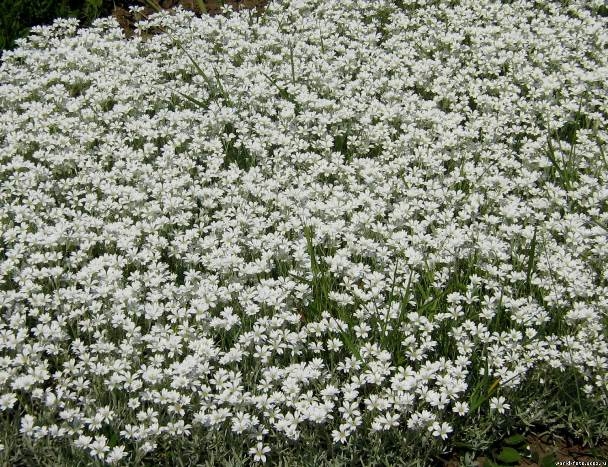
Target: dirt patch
x=127, y=19
x=544, y=450
x=564, y=449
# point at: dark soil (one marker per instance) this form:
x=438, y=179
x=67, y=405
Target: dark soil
x=211, y=7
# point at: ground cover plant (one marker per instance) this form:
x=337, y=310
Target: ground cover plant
x=340, y=232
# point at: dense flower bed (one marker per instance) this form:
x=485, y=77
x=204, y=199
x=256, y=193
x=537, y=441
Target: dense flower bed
x=341, y=217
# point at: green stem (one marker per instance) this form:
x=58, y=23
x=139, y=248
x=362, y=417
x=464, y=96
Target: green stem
x=291, y=61
x=531, y=257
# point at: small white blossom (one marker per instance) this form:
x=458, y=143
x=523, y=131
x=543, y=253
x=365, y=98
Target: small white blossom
x=441, y=430
x=499, y=404
x=461, y=408
x=259, y=452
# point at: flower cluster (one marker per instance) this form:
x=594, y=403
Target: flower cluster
x=341, y=216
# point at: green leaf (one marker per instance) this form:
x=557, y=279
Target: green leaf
x=350, y=345
x=547, y=461
x=202, y=8
x=509, y=456
x=514, y=440
x=461, y=444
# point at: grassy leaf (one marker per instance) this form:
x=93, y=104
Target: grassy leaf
x=195, y=101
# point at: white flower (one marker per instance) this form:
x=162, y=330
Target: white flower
x=461, y=408
x=7, y=401
x=241, y=422
x=499, y=404
x=259, y=452
x=341, y=434
x=385, y=422
x=83, y=441
x=147, y=446
x=116, y=454
x=440, y=430
x=99, y=447
x=27, y=425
